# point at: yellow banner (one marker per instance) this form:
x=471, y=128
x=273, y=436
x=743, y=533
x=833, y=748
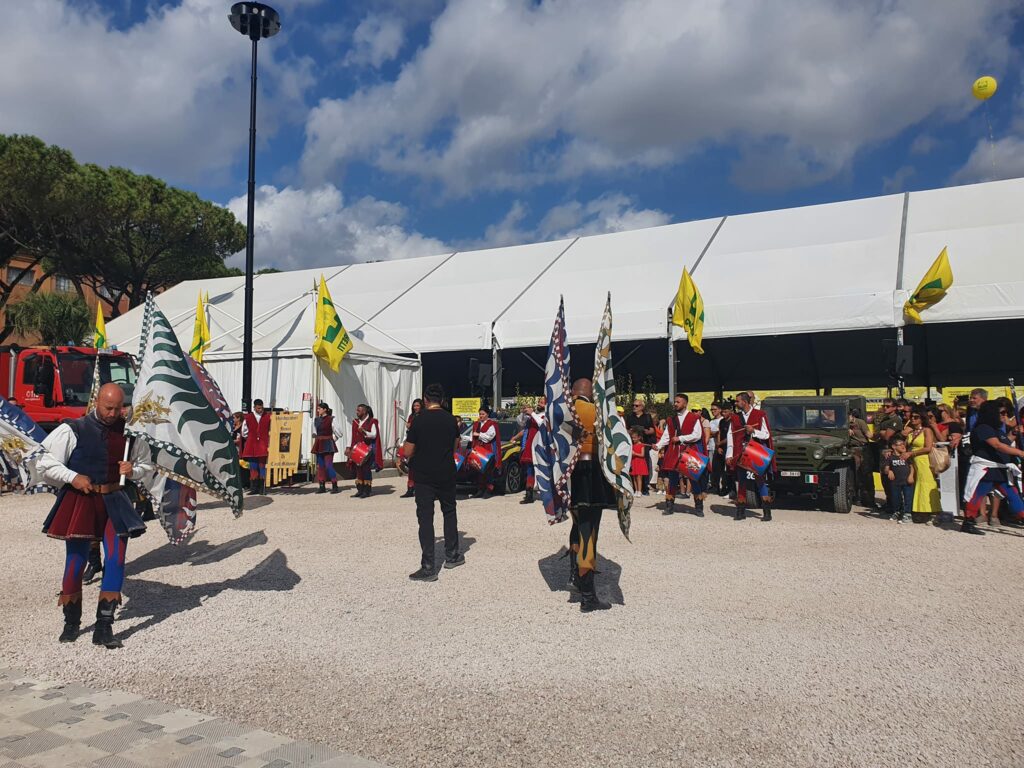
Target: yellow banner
x=467, y=407
x=285, y=440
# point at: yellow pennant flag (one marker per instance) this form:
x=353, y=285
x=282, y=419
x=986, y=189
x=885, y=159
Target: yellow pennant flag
x=932, y=288
x=331, y=342
x=100, y=337
x=200, y=331
x=688, y=311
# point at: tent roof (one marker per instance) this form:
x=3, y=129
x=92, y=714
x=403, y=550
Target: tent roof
x=832, y=267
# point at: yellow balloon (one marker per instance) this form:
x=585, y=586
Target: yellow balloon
x=984, y=88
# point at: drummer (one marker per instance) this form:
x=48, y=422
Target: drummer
x=684, y=430
x=750, y=426
x=364, y=452
x=486, y=446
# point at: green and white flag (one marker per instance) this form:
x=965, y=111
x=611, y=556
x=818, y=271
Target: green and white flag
x=180, y=412
x=614, y=445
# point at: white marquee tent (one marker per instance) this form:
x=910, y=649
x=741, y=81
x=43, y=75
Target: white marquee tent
x=845, y=266
x=284, y=368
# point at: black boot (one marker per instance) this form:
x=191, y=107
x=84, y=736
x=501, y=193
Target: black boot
x=334, y=487
x=93, y=568
x=409, y=493
x=741, y=513
x=698, y=507
x=103, y=634
x=766, y=513
x=322, y=488
x=72, y=621
x=254, y=487
x=527, y=497
x=970, y=526
x=359, y=492
x=670, y=506
x=574, y=572
x=589, y=592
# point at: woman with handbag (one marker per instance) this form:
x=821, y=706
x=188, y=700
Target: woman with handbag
x=921, y=440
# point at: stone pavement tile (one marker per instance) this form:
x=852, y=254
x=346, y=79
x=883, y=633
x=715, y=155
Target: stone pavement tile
x=255, y=742
x=74, y=753
x=300, y=753
x=179, y=720
x=11, y=764
x=144, y=709
x=17, y=704
x=107, y=699
x=90, y=725
x=44, y=718
x=158, y=753
x=119, y=739
x=10, y=726
x=32, y=743
x=214, y=731
x=209, y=757
x=114, y=761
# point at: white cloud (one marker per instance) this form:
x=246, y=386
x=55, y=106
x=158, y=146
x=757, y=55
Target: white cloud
x=167, y=96
x=898, y=181
x=924, y=144
x=989, y=161
x=510, y=93
x=376, y=40
x=297, y=228
x=608, y=213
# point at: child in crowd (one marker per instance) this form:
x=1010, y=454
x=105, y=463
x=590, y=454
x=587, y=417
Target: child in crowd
x=900, y=473
x=638, y=467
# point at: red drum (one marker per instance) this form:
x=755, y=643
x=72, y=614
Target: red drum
x=459, y=459
x=756, y=458
x=479, y=459
x=692, y=463
x=360, y=453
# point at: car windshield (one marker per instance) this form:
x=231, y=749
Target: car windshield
x=807, y=416
x=76, y=372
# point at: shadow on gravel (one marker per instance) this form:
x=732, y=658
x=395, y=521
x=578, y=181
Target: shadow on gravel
x=465, y=542
x=725, y=510
x=255, y=502
x=193, y=553
x=157, y=601
x=555, y=570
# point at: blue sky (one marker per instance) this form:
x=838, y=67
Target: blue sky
x=396, y=128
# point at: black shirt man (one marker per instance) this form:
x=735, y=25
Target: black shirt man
x=430, y=444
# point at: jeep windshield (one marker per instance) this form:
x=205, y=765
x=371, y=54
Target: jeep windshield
x=795, y=417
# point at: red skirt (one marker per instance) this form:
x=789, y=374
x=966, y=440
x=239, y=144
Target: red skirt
x=638, y=468
x=77, y=515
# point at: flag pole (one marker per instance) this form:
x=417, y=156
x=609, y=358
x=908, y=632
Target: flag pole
x=671, y=359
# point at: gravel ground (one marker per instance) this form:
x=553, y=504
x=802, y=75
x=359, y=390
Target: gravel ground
x=816, y=640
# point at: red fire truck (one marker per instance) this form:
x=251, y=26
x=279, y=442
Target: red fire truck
x=52, y=383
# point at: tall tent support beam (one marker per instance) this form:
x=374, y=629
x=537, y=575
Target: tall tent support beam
x=495, y=373
x=899, y=283
x=418, y=280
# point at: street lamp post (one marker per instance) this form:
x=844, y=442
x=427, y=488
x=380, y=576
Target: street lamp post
x=255, y=21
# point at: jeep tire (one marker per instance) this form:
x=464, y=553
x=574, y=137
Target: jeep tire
x=842, y=497
x=513, y=480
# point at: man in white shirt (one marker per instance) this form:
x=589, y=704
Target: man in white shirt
x=683, y=430
x=750, y=426
x=86, y=458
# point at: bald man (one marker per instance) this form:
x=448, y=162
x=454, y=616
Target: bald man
x=84, y=458
x=589, y=494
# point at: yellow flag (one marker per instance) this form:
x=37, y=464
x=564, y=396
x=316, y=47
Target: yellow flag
x=99, y=339
x=200, y=331
x=932, y=288
x=331, y=342
x=688, y=311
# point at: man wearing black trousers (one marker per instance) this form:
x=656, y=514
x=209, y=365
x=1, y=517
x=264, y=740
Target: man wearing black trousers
x=429, y=446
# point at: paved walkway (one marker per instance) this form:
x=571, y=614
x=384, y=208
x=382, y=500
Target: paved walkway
x=53, y=725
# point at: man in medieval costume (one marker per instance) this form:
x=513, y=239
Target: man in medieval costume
x=256, y=446
x=486, y=444
x=364, y=451
x=750, y=425
x=325, y=445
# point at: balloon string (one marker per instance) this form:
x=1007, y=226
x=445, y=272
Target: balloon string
x=991, y=140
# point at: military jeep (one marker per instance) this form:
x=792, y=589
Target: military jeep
x=813, y=448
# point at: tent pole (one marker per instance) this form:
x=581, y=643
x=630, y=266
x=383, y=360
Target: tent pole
x=899, y=377
x=495, y=373
x=671, y=360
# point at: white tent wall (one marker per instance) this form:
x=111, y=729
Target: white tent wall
x=281, y=381
x=983, y=227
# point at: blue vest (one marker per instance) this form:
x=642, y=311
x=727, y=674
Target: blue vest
x=98, y=450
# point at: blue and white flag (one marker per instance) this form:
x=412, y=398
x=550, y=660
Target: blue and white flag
x=179, y=411
x=557, y=447
x=614, y=445
x=20, y=449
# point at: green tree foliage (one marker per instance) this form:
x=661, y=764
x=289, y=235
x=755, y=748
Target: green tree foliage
x=115, y=231
x=53, y=318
